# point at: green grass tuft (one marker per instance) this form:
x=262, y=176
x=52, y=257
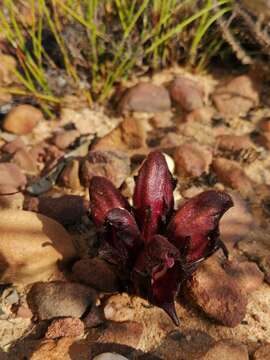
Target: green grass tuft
x=118, y=37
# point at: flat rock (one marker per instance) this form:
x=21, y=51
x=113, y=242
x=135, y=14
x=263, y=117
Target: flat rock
x=66, y=327
x=192, y=159
x=64, y=139
x=188, y=344
x=96, y=273
x=236, y=97
x=231, y=174
x=145, y=97
x=114, y=165
x=31, y=245
x=186, y=93
x=66, y=209
x=217, y=293
x=11, y=178
x=227, y=349
x=234, y=143
x=60, y=299
x=22, y=119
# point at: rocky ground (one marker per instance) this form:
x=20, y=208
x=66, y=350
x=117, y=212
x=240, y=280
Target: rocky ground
x=57, y=300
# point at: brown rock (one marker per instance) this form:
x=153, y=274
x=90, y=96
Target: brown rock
x=217, y=293
x=60, y=299
x=115, y=165
x=64, y=139
x=22, y=119
x=263, y=353
x=70, y=175
x=186, y=93
x=31, y=246
x=192, y=159
x=227, y=349
x=96, y=273
x=126, y=333
x=25, y=161
x=14, y=145
x=69, y=327
x=11, y=178
x=246, y=273
x=145, y=97
x=231, y=174
x=128, y=136
x=14, y=201
x=234, y=143
x=66, y=209
x=185, y=345
x=53, y=350
x=236, y=97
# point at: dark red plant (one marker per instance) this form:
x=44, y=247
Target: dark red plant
x=154, y=248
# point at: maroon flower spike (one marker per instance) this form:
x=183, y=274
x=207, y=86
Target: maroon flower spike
x=153, y=195
x=157, y=274
x=104, y=197
x=194, y=228
x=150, y=264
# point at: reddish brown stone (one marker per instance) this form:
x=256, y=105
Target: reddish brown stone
x=236, y=97
x=14, y=145
x=192, y=159
x=66, y=209
x=96, y=273
x=114, y=165
x=66, y=327
x=217, y=293
x=231, y=174
x=60, y=299
x=186, y=93
x=145, y=97
x=64, y=139
x=22, y=119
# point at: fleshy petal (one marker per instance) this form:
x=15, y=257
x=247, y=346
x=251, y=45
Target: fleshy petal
x=153, y=195
x=157, y=274
x=122, y=237
x=104, y=197
x=194, y=229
